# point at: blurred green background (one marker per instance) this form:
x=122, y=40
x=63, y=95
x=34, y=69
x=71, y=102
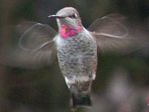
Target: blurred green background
x=122, y=80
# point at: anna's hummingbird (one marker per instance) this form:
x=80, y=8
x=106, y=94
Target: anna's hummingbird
x=77, y=55
x=76, y=48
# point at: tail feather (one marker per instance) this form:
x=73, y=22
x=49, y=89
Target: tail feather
x=80, y=100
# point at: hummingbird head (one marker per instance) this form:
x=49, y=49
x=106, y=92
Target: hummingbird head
x=69, y=22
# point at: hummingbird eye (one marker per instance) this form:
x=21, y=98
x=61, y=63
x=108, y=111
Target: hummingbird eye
x=73, y=16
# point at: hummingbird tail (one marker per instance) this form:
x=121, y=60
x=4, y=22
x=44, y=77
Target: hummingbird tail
x=80, y=100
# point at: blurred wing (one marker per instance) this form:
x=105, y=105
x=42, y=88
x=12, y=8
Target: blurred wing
x=111, y=33
x=111, y=26
x=35, y=47
x=36, y=37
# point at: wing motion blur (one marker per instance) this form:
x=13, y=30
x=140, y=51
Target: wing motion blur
x=35, y=47
x=114, y=34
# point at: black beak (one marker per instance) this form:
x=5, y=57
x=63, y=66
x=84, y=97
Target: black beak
x=55, y=16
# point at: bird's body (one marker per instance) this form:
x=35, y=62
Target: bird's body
x=77, y=58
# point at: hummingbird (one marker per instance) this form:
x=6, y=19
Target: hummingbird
x=75, y=46
x=77, y=55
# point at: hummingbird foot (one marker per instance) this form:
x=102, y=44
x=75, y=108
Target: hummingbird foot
x=80, y=100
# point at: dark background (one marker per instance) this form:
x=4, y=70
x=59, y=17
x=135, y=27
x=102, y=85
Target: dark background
x=122, y=80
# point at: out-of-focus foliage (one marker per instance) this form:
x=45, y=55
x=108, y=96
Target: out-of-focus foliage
x=42, y=90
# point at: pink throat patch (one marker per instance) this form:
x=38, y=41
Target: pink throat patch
x=69, y=31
